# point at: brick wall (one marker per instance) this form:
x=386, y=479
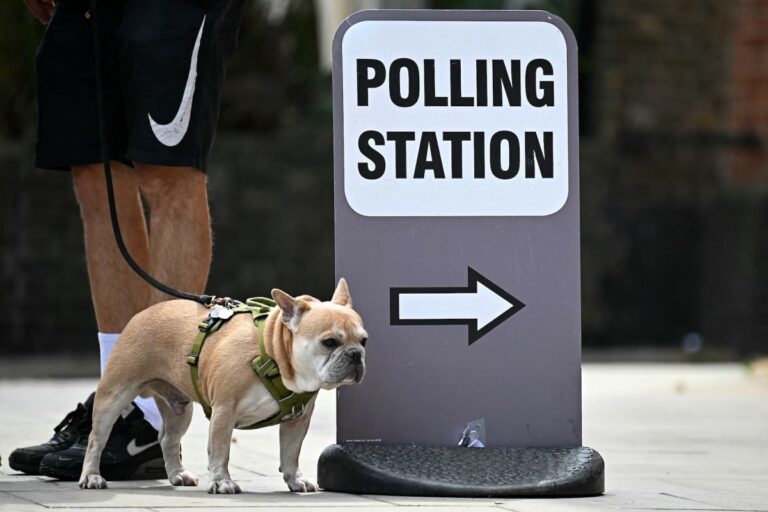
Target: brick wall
x=674, y=215
x=748, y=94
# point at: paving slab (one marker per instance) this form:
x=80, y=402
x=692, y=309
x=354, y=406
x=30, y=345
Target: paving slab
x=426, y=501
x=391, y=508
x=252, y=496
x=674, y=437
x=10, y=502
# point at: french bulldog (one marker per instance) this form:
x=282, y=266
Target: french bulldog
x=317, y=345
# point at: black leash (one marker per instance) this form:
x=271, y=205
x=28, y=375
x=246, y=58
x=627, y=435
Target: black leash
x=206, y=300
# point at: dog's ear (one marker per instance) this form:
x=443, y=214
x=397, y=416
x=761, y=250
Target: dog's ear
x=341, y=295
x=291, y=308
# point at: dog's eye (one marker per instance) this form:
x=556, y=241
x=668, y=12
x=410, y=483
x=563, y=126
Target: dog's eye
x=330, y=343
x=363, y=341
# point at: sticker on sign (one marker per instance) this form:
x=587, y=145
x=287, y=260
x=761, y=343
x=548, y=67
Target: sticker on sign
x=460, y=118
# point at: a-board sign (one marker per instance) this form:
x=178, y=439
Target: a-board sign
x=457, y=226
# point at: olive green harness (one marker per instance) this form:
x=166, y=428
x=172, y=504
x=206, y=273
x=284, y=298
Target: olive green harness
x=291, y=404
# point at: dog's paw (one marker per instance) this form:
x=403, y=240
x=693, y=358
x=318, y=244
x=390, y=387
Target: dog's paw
x=301, y=484
x=223, y=486
x=93, y=482
x=184, y=478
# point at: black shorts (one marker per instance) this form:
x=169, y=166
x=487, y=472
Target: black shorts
x=162, y=67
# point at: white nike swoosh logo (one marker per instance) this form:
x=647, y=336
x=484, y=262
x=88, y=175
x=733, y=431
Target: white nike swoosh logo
x=134, y=450
x=171, y=134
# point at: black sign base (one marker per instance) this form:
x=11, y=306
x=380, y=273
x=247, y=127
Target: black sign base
x=363, y=468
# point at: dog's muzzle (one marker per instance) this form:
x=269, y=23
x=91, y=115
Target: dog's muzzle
x=355, y=357
x=348, y=366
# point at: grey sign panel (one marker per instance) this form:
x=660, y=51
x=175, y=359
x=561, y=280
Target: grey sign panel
x=462, y=251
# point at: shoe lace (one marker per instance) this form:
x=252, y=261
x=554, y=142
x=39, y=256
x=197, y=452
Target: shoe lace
x=74, y=420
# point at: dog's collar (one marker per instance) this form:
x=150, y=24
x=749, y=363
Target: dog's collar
x=291, y=404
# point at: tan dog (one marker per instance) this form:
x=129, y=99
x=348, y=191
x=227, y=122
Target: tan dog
x=315, y=344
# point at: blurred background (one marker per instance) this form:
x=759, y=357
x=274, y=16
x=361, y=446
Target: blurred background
x=674, y=172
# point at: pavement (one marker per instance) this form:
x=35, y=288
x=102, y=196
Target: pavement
x=673, y=436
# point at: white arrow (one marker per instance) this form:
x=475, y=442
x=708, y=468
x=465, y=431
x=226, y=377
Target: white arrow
x=481, y=305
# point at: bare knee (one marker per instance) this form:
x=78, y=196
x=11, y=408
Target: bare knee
x=91, y=187
x=162, y=185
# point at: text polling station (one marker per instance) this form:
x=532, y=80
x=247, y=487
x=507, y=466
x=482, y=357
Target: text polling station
x=466, y=127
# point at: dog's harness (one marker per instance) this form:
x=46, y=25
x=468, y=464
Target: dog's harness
x=291, y=404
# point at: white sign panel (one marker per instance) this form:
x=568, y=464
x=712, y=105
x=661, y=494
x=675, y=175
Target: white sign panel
x=458, y=118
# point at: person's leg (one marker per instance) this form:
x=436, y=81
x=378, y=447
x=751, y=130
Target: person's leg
x=117, y=291
x=180, y=245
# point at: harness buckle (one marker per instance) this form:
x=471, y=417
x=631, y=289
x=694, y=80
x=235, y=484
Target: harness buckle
x=192, y=359
x=291, y=415
x=264, y=364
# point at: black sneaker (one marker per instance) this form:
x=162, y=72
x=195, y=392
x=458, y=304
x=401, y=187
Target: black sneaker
x=74, y=425
x=132, y=453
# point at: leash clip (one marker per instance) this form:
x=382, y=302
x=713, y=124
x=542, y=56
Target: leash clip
x=227, y=302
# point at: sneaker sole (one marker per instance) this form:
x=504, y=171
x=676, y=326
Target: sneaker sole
x=153, y=469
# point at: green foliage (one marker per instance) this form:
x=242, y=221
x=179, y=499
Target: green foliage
x=273, y=77
x=19, y=38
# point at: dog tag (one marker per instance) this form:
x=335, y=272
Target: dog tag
x=221, y=312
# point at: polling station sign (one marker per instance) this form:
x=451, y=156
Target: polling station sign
x=459, y=118
x=457, y=226
x=456, y=193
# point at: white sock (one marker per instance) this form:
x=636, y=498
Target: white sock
x=148, y=406
x=107, y=342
